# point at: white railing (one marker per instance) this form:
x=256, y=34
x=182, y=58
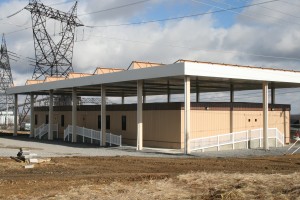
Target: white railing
x=44, y=129
x=114, y=139
x=89, y=133
x=41, y=131
x=92, y=135
x=236, y=137
x=67, y=132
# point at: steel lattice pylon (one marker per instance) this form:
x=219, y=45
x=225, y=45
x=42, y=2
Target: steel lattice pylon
x=6, y=81
x=52, y=58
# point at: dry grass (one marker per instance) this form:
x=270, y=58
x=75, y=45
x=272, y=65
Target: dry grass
x=200, y=185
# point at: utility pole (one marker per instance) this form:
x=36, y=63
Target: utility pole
x=6, y=81
x=53, y=58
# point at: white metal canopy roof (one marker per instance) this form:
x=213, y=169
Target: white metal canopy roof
x=205, y=77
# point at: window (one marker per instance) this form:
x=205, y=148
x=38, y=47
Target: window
x=249, y=120
x=123, y=123
x=108, y=122
x=35, y=119
x=255, y=120
x=99, y=121
x=62, y=120
x=47, y=119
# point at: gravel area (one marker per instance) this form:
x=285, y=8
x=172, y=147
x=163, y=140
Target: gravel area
x=9, y=146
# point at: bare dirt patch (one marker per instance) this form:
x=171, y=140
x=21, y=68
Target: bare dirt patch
x=152, y=178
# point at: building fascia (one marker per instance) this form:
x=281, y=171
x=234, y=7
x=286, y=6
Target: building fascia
x=176, y=69
x=241, y=73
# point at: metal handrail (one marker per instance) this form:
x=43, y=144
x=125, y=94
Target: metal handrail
x=93, y=135
x=44, y=129
x=233, y=138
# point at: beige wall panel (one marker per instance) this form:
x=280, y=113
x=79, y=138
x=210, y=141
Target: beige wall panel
x=165, y=128
x=207, y=123
x=162, y=125
x=116, y=124
x=155, y=131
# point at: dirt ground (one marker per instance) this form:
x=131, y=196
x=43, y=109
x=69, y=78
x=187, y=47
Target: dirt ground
x=151, y=178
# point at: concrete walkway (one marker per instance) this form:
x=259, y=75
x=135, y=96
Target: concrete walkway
x=9, y=146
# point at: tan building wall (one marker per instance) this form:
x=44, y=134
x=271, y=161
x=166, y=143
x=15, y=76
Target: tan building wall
x=156, y=133
x=206, y=123
x=164, y=126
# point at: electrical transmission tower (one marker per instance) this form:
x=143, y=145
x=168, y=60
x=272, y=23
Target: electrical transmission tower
x=6, y=81
x=53, y=58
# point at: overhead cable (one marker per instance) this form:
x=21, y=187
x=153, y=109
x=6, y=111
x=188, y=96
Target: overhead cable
x=181, y=17
x=114, y=8
x=195, y=49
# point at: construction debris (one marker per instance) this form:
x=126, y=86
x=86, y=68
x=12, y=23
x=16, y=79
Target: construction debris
x=43, y=160
x=33, y=160
x=29, y=166
x=16, y=159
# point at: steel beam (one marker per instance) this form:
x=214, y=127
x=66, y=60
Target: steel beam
x=197, y=91
x=273, y=96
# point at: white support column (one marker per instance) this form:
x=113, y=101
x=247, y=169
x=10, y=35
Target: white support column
x=103, y=115
x=285, y=127
x=139, y=145
x=16, y=116
x=31, y=116
x=74, y=115
x=50, y=131
x=231, y=107
x=187, y=112
x=265, y=115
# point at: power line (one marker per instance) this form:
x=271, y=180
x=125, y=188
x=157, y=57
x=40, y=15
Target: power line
x=290, y=3
x=114, y=8
x=65, y=2
x=11, y=15
x=275, y=10
x=249, y=16
x=190, y=48
x=177, y=46
x=17, y=12
x=8, y=33
x=18, y=57
x=181, y=17
x=160, y=20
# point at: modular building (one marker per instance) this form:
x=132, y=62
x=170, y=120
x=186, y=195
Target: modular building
x=163, y=124
x=167, y=124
